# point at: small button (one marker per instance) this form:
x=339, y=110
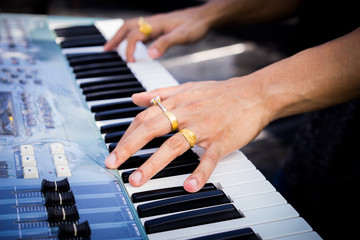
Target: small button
x=26, y=150
x=57, y=148
x=28, y=160
x=63, y=171
x=60, y=159
x=31, y=172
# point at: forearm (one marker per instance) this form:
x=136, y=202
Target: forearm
x=243, y=12
x=316, y=78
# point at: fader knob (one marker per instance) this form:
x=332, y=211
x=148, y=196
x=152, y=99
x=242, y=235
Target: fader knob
x=59, y=199
x=69, y=213
x=74, y=230
x=55, y=186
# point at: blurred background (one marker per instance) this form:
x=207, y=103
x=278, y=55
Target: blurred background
x=222, y=54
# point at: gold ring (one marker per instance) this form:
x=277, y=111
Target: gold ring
x=144, y=27
x=157, y=101
x=189, y=136
x=172, y=118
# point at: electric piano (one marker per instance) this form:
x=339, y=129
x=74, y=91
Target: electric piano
x=64, y=105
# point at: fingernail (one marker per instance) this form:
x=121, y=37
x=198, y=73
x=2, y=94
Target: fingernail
x=110, y=160
x=192, y=183
x=136, y=177
x=154, y=52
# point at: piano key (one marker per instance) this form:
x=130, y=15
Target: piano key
x=80, y=59
x=166, y=193
x=118, y=113
x=293, y=228
x=112, y=106
x=76, y=30
x=92, y=40
x=250, y=219
x=108, y=94
x=115, y=127
x=170, y=170
x=87, y=82
x=137, y=160
x=234, y=169
x=113, y=137
x=154, y=143
x=111, y=86
x=181, y=203
x=192, y=218
x=102, y=72
x=240, y=234
x=98, y=65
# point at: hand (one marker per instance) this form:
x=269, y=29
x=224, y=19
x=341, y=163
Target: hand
x=177, y=27
x=224, y=116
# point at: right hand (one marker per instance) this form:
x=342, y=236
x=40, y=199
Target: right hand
x=178, y=27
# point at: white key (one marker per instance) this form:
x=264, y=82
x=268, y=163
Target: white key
x=221, y=169
x=301, y=236
x=252, y=217
x=249, y=189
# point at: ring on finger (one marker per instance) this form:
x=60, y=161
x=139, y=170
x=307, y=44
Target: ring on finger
x=189, y=136
x=172, y=118
x=157, y=101
x=144, y=27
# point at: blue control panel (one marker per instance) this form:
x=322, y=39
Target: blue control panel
x=53, y=182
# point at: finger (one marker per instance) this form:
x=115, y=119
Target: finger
x=144, y=98
x=119, y=36
x=163, y=43
x=132, y=38
x=169, y=150
x=203, y=172
x=136, y=139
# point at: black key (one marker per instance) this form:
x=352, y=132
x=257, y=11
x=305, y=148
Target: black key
x=118, y=113
x=114, y=137
x=111, y=86
x=166, y=193
x=102, y=72
x=192, y=218
x=91, y=41
x=168, y=171
x=238, y=234
x=155, y=143
x=109, y=94
x=115, y=127
x=79, y=59
x=112, y=106
x=76, y=31
x=109, y=79
x=137, y=161
x=182, y=203
x=82, y=37
x=99, y=65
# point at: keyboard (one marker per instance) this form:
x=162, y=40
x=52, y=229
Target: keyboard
x=83, y=96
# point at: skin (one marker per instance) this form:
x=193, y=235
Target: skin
x=227, y=115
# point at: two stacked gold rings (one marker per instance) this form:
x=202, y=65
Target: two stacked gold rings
x=187, y=133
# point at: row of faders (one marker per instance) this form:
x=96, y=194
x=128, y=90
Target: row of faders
x=61, y=209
